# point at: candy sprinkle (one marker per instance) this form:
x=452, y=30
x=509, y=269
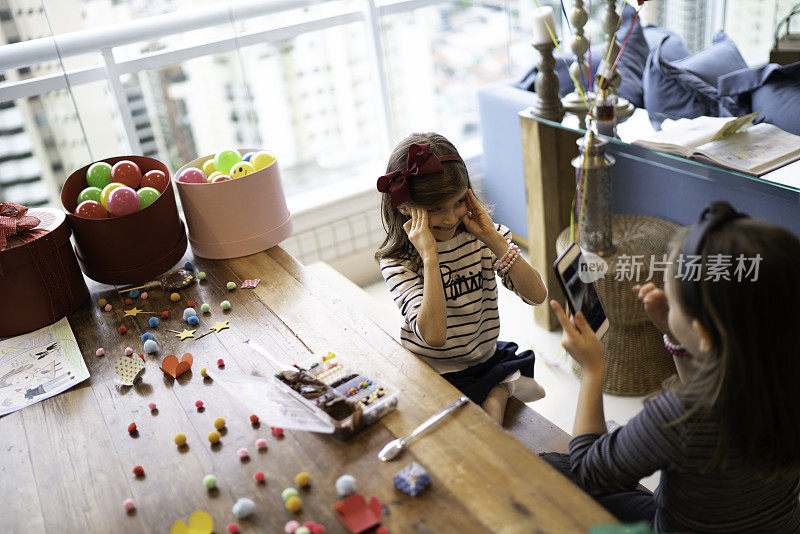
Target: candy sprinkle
x=138, y=471
x=204, y=372
x=220, y=363
x=198, y=404
x=131, y=428
x=165, y=315
x=276, y=431
x=190, y=303
x=122, y=329
x=128, y=301
x=254, y=419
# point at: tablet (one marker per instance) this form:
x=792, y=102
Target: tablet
x=581, y=295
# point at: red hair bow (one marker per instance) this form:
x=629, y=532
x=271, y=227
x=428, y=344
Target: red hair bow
x=420, y=161
x=14, y=220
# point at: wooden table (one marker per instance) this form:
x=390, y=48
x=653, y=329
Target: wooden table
x=67, y=461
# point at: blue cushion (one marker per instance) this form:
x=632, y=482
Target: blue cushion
x=772, y=89
x=721, y=58
x=673, y=48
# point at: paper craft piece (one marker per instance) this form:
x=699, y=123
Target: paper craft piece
x=128, y=370
x=175, y=368
x=220, y=325
x=133, y=312
x=250, y=284
x=186, y=334
x=356, y=515
x=39, y=365
x=200, y=522
x=412, y=479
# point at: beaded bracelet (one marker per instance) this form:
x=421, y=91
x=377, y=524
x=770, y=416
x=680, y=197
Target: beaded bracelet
x=512, y=252
x=675, y=349
x=507, y=267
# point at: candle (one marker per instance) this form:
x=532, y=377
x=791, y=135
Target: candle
x=542, y=19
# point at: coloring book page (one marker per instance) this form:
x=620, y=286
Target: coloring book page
x=38, y=365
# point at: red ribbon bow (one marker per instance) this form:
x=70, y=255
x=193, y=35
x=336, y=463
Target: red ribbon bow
x=420, y=161
x=13, y=220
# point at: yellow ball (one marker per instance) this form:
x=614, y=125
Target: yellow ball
x=102, y=303
x=219, y=423
x=262, y=160
x=213, y=436
x=294, y=504
x=302, y=479
x=180, y=440
x=175, y=297
x=209, y=167
x=242, y=168
x=204, y=372
x=107, y=191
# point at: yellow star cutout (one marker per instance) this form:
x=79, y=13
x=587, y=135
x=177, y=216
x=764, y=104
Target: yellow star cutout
x=132, y=312
x=186, y=334
x=220, y=325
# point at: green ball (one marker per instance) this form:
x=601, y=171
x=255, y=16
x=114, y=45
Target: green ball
x=201, y=275
x=302, y=530
x=147, y=195
x=226, y=159
x=288, y=492
x=99, y=174
x=205, y=308
x=90, y=193
x=231, y=286
x=225, y=305
x=209, y=482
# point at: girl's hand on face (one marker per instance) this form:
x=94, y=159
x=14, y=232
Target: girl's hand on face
x=655, y=304
x=580, y=340
x=419, y=233
x=479, y=223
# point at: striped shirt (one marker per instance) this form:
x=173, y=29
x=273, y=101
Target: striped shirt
x=470, y=289
x=691, y=496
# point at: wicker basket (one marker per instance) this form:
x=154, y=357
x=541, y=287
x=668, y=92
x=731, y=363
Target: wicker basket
x=636, y=361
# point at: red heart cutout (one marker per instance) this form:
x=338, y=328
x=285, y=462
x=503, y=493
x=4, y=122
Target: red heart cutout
x=173, y=367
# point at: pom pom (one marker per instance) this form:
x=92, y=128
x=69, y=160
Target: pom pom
x=153, y=322
x=244, y=507
x=219, y=423
x=188, y=312
x=204, y=372
x=213, y=436
x=302, y=479
x=209, y=482
x=346, y=485
x=205, y=308
x=220, y=363
x=225, y=305
x=150, y=346
x=190, y=303
x=102, y=302
x=291, y=527
x=175, y=297
x=276, y=431
x=131, y=428
x=254, y=419
x=128, y=301
x=100, y=352
x=382, y=530
x=198, y=404
x=201, y=275
x=128, y=504
x=108, y=307
x=151, y=405
x=261, y=444
x=316, y=528
x=243, y=453
x=165, y=315
x=138, y=471
x=302, y=530
x=144, y=295
x=188, y=266
x=180, y=440
x=231, y=286
x=122, y=329
x=233, y=528
x=193, y=320
x=128, y=351
x=259, y=476
x=294, y=504
x=146, y=336
x=134, y=293
x=288, y=493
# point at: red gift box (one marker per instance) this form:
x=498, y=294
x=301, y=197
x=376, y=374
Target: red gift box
x=40, y=281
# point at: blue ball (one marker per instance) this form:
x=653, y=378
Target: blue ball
x=188, y=266
x=147, y=335
x=153, y=322
x=193, y=320
x=133, y=293
x=150, y=346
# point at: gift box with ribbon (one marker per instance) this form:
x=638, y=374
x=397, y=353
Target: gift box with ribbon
x=40, y=281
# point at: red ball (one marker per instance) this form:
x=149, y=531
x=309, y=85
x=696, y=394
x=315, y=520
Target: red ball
x=259, y=476
x=128, y=301
x=316, y=528
x=382, y=530
x=91, y=209
x=276, y=431
x=138, y=471
x=189, y=303
x=127, y=173
x=233, y=528
x=254, y=419
x=220, y=363
x=155, y=179
x=199, y=404
x=131, y=428
x=165, y=315
x=122, y=329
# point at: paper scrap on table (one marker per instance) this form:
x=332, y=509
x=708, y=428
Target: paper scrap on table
x=250, y=284
x=200, y=522
x=39, y=365
x=175, y=368
x=128, y=370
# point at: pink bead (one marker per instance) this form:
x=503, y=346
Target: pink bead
x=144, y=295
x=259, y=476
x=100, y=352
x=198, y=404
x=151, y=405
x=243, y=453
x=108, y=307
x=128, y=504
x=291, y=526
x=261, y=444
x=128, y=351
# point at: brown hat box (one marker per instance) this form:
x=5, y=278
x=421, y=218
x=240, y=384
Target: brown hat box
x=131, y=249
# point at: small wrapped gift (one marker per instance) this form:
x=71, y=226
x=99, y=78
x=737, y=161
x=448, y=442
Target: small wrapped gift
x=40, y=281
x=412, y=479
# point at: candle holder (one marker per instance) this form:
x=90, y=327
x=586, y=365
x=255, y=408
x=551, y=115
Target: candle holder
x=610, y=23
x=574, y=102
x=547, y=103
x=595, y=220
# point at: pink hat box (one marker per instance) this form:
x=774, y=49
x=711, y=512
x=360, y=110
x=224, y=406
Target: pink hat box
x=132, y=249
x=237, y=217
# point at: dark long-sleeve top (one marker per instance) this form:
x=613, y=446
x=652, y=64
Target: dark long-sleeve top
x=691, y=497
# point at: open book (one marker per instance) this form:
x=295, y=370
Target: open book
x=732, y=143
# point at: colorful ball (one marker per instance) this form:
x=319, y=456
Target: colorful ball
x=291, y=527
x=156, y=179
x=224, y=160
x=90, y=193
x=294, y=505
x=204, y=372
x=193, y=320
x=188, y=312
x=175, y=297
x=262, y=160
x=243, y=168
x=123, y=201
x=219, y=423
x=259, y=476
x=192, y=175
x=209, y=167
x=102, y=302
x=213, y=436
x=106, y=192
x=205, y=308
x=128, y=504
x=201, y=275
x=261, y=444
x=303, y=530
x=150, y=346
x=243, y=507
x=127, y=173
x=98, y=174
x=346, y=485
x=147, y=195
x=220, y=178
x=134, y=293
x=243, y=453
x=247, y=156
x=153, y=322
x=91, y=209
x=288, y=493
x=189, y=266
x=209, y=482
x=302, y=479
x=146, y=336
x=231, y=286
x=225, y=305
